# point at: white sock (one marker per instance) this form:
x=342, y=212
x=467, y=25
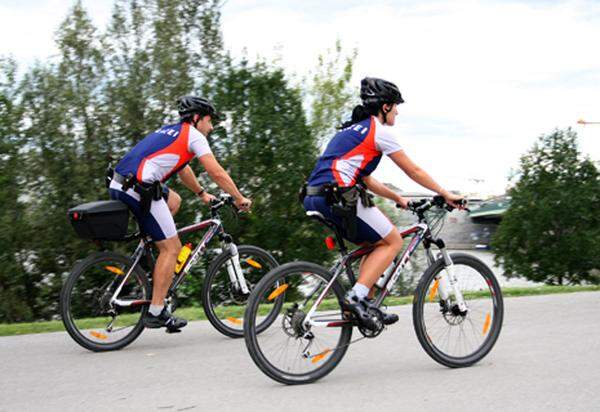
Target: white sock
x=155, y=310
x=361, y=290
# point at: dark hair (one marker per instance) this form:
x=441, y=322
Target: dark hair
x=360, y=113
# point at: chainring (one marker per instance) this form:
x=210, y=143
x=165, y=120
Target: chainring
x=369, y=333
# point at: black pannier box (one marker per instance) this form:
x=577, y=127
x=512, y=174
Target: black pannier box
x=101, y=220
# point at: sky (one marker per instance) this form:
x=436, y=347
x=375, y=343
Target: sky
x=481, y=79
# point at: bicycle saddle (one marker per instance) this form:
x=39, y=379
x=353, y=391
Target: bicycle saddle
x=318, y=216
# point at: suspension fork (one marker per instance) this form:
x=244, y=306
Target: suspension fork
x=449, y=283
x=234, y=269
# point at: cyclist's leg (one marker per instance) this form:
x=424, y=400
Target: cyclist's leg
x=380, y=258
x=164, y=268
x=173, y=200
x=376, y=228
x=159, y=224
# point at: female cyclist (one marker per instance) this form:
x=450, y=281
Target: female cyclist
x=336, y=187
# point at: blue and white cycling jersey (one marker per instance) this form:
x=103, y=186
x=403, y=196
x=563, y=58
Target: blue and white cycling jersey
x=351, y=154
x=157, y=157
x=164, y=152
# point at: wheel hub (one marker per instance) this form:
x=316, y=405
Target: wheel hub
x=293, y=321
x=238, y=296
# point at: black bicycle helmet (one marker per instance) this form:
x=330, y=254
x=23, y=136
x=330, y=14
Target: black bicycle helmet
x=190, y=105
x=374, y=91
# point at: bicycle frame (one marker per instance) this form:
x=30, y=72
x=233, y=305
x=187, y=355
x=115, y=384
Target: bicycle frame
x=421, y=233
x=215, y=227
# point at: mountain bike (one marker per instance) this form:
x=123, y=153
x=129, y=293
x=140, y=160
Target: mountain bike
x=107, y=294
x=457, y=305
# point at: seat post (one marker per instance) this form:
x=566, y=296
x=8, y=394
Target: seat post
x=340, y=241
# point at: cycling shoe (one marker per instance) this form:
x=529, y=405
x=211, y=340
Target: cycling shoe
x=388, y=318
x=165, y=319
x=360, y=309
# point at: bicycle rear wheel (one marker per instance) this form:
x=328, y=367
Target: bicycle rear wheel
x=449, y=337
x=289, y=351
x=223, y=303
x=85, y=306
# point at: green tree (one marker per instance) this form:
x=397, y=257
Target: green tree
x=331, y=99
x=14, y=285
x=551, y=231
x=65, y=153
x=268, y=149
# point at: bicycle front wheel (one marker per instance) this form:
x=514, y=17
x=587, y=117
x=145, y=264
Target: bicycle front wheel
x=294, y=350
x=85, y=302
x=223, y=302
x=450, y=337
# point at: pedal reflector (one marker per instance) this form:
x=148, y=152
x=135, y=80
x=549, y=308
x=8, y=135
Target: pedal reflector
x=114, y=270
x=434, y=289
x=253, y=263
x=278, y=291
x=486, y=324
x=98, y=335
x=320, y=356
x=235, y=320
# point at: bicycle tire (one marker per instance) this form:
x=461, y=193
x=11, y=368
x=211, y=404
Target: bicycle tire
x=419, y=300
x=65, y=302
x=250, y=330
x=214, y=270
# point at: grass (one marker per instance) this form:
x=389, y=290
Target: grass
x=197, y=313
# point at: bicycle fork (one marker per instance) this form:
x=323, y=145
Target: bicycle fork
x=446, y=282
x=234, y=270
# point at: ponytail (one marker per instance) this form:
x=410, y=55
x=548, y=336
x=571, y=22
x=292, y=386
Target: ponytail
x=359, y=114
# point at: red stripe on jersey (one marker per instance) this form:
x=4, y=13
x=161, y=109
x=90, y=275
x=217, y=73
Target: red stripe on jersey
x=178, y=147
x=366, y=148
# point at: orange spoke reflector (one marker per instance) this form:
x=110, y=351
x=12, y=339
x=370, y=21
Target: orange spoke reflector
x=253, y=263
x=486, y=324
x=278, y=291
x=320, y=356
x=114, y=270
x=434, y=289
x=235, y=320
x=98, y=335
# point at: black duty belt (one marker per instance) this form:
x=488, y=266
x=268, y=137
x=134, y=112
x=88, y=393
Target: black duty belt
x=317, y=190
x=147, y=191
x=131, y=181
x=118, y=178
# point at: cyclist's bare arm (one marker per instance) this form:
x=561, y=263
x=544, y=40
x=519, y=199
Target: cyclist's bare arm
x=380, y=189
x=222, y=178
x=188, y=178
x=421, y=176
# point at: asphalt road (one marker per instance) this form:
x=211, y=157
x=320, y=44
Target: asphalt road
x=547, y=358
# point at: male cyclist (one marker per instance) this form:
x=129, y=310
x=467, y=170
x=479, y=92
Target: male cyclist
x=337, y=186
x=139, y=179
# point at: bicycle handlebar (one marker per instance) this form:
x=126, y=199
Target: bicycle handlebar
x=222, y=200
x=421, y=206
